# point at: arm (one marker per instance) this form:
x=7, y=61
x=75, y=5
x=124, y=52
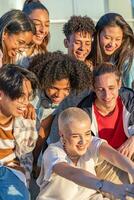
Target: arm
x=115, y=158
x=86, y=179
x=43, y=135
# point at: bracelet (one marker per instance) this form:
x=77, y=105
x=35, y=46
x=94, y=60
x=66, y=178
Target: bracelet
x=99, y=185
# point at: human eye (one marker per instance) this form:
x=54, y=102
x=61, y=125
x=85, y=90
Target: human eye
x=88, y=133
x=111, y=88
x=36, y=23
x=118, y=39
x=20, y=42
x=75, y=136
x=99, y=89
x=77, y=42
x=67, y=89
x=88, y=43
x=47, y=24
x=107, y=37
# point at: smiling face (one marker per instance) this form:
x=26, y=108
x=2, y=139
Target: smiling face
x=79, y=45
x=77, y=137
x=111, y=38
x=41, y=20
x=58, y=91
x=16, y=42
x=15, y=107
x=107, y=90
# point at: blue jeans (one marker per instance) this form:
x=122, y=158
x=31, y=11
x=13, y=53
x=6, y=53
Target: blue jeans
x=11, y=187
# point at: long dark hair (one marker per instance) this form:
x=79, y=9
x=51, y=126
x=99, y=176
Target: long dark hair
x=125, y=51
x=14, y=22
x=28, y=7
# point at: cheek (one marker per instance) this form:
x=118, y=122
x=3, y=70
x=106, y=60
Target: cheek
x=99, y=95
x=118, y=44
x=88, y=48
x=49, y=92
x=65, y=93
x=47, y=30
x=103, y=41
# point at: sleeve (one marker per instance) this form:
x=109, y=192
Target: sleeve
x=52, y=156
x=94, y=147
x=128, y=75
x=25, y=135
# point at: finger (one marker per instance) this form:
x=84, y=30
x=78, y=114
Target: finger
x=130, y=155
x=25, y=114
x=33, y=115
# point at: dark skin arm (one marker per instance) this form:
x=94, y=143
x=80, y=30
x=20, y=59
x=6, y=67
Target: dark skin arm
x=44, y=132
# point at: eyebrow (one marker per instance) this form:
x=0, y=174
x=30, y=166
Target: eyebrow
x=40, y=20
x=89, y=131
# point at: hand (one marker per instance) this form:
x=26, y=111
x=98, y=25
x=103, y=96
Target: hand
x=123, y=191
x=127, y=148
x=30, y=113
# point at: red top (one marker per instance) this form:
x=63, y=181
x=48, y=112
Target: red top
x=110, y=127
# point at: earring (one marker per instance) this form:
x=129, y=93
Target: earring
x=62, y=140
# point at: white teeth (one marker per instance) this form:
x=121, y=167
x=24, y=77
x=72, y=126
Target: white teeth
x=20, y=108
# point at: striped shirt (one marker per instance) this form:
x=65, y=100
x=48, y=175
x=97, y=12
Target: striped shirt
x=7, y=145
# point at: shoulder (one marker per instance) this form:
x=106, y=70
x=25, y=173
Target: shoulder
x=54, y=150
x=127, y=97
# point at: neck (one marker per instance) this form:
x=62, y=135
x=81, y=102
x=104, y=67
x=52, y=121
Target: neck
x=103, y=110
x=106, y=58
x=4, y=120
x=73, y=158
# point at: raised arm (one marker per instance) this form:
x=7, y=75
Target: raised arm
x=117, y=159
x=86, y=179
x=43, y=135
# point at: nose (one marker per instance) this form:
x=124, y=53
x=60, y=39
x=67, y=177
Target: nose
x=58, y=93
x=113, y=43
x=82, y=46
x=106, y=94
x=82, y=140
x=43, y=29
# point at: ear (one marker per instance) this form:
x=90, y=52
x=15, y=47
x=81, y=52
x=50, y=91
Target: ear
x=60, y=133
x=1, y=95
x=4, y=36
x=66, y=43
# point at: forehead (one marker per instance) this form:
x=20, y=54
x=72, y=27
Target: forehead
x=81, y=36
x=60, y=84
x=106, y=80
x=112, y=30
x=76, y=127
x=39, y=14
x=24, y=36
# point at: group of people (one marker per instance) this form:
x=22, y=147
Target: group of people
x=76, y=110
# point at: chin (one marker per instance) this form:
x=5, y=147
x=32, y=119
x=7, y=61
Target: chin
x=38, y=42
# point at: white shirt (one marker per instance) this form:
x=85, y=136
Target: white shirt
x=55, y=187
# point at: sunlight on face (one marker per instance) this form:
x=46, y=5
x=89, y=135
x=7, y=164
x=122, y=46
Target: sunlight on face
x=111, y=38
x=79, y=45
x=58, y=91
x=16, y=107
x=77, y=137
x=107, y=90
x=41, y=20
x=15, y=43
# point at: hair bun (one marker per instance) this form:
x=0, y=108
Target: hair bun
x=31, y=1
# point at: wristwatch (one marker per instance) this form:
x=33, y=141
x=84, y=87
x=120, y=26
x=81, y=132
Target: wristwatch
x=99, y=185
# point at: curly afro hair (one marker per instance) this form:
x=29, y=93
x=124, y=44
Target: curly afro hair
x=78, y=24
x=51, y=67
